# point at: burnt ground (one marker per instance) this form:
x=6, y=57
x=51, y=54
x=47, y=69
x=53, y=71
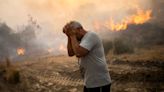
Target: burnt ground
x=60, y=74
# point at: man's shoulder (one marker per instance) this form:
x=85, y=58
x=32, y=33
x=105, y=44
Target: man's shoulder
x=94, y=37
x=91, y=33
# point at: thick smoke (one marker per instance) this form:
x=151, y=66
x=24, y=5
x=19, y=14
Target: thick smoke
x=52, y=15
x=8, y=40
x=26, y=37
x=147, y=33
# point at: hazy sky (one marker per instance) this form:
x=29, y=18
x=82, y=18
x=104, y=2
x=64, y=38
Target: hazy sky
x=52, y=15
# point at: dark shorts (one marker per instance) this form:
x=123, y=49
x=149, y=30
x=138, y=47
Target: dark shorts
x=105, y=88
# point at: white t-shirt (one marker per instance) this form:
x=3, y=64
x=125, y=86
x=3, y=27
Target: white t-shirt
x=94, y=63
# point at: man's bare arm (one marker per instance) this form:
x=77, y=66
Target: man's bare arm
x=69, y=48
x=78, y=50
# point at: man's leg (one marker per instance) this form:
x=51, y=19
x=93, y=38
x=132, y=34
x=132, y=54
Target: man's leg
x=105, y=88
x=85, y=89
x=97, y=89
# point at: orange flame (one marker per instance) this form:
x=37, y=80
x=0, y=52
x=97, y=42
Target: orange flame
x=116, y=27
x=20, y=51
x=139, y=18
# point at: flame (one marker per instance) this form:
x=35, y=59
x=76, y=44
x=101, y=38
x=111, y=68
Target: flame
x=20, y=51
x=116, y=27
x=139, y=18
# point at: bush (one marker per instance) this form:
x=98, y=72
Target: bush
x=121, y=47
x=108, y=45
x=10, y=73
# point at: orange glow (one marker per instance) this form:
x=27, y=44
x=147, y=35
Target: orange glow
x=116, y=27
x=62, y=48
x=20, y=51
x=139, y=18
x=50, y=50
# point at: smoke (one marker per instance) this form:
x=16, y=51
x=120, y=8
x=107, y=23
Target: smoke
x=158, y=12
x=52, y=15
x=8, y=40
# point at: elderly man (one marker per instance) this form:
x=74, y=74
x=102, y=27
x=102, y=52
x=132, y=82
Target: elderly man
x=88, y=47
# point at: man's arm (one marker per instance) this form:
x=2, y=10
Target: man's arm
x=69, y=48
x=78, y=50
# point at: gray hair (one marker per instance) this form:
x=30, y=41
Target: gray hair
x=75, y=25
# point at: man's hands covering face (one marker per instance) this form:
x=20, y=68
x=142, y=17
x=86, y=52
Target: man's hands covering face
x=69, y=31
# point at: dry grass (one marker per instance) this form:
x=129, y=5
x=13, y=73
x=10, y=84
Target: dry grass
x=9, y=73
x=59, y=73
x=155, y=53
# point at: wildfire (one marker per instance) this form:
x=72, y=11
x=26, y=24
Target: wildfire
x=139, y=18
x=20, y=51
x=116, y=27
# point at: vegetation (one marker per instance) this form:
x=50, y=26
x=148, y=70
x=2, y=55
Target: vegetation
x=121, y=47
x=9, y=73
x=108, y=45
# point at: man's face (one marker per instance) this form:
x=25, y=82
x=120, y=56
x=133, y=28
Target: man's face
x=78, y=35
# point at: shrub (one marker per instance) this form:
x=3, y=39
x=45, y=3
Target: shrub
x=120, y=47
x=107, y=46
x=10, y=73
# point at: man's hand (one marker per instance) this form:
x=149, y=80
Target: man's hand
x=73, y=45
x=68, y=31
x=71, y=33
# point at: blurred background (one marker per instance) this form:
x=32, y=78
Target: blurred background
x=35, y=27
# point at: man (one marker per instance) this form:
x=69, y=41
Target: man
x=88, y=47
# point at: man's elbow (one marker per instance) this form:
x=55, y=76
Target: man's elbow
x=80, y=55
x=70, y=55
